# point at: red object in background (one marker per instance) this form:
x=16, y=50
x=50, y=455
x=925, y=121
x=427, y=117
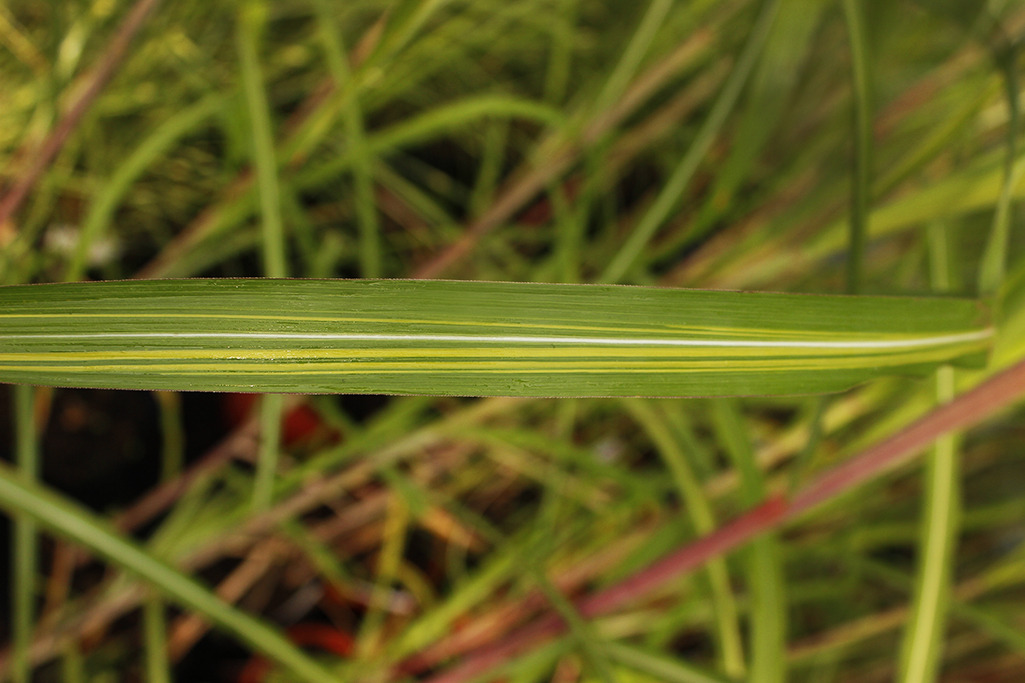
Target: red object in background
x=299, y=425
x=325, y=637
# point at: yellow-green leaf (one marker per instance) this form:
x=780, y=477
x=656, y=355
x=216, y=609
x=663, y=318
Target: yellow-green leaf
x=470, y=338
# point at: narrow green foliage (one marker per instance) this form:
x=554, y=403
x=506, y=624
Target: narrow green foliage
x=250, y=24
x=470, y=338
x=26, y=547
x=71, y=665
x=669, y=196
x=772, y=83
x=987, y=618
x=270, y=447
x=561, y=52
x=765, y=581
x=635, y=51
x=669, y=670
x=593, y=648
x=363, y=162
x=394, y=534
x=862, y=166
x=428, y=126
x=994, y=260
x=693, y=498
x=923, y=641
x=172, y=458
x=69, y=520
x=922, y=647
x=739, y=147
x=499, y=569
x=104, y=204
x=158, y=668
x=493, y=156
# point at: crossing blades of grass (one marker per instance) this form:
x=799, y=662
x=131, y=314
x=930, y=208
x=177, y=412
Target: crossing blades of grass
x=924, y=638
x=700, y=512
x=765, y=578
x=682, y=174
x=77, y=524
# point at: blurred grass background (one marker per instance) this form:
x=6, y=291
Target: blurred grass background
x=711, y=144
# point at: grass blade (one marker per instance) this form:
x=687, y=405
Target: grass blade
x=765, y=578
x=102, y=209
x=247, y=38
x=639, y=45
x=366, y=209
x=659, y=666
x=25, y=539
x=71, y=521
x=670, y=194
x=158, y=669
x=862, y=169
x=702, y=518
x=994, y=260
x=247, y=35
x=923, y=640
x=270, y=446
x=965, y=411
x=469, y=338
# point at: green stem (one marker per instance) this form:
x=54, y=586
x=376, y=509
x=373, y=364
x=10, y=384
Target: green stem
x=692, y=495
x=764, y=563
x=362, y=159
x=389, y=562
x=561, y=52
x=582, y=631
x=69, y=520
x=815, y=428
x=681, y=177
x=270, y=448
x=247, y=38
x=103, y=205
x=72, y=664
x=994, y=259
x=923, y=638
x=158, y=669
x=660, y=667
x=591, y=645
x=640, y=42
x=862, y=144
x=170, y=405
x=25, y=537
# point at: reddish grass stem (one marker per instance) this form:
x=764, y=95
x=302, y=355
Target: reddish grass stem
x=963, y=412
x=102, y=74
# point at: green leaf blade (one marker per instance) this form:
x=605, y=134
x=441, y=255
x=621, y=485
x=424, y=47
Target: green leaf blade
x=470, y=338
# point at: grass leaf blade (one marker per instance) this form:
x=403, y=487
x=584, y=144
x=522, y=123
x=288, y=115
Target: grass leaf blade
x=470, y=338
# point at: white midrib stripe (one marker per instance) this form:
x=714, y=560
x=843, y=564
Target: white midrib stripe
x=506, y=339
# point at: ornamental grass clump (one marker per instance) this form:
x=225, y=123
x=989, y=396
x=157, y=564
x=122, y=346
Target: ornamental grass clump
x=540, y=341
